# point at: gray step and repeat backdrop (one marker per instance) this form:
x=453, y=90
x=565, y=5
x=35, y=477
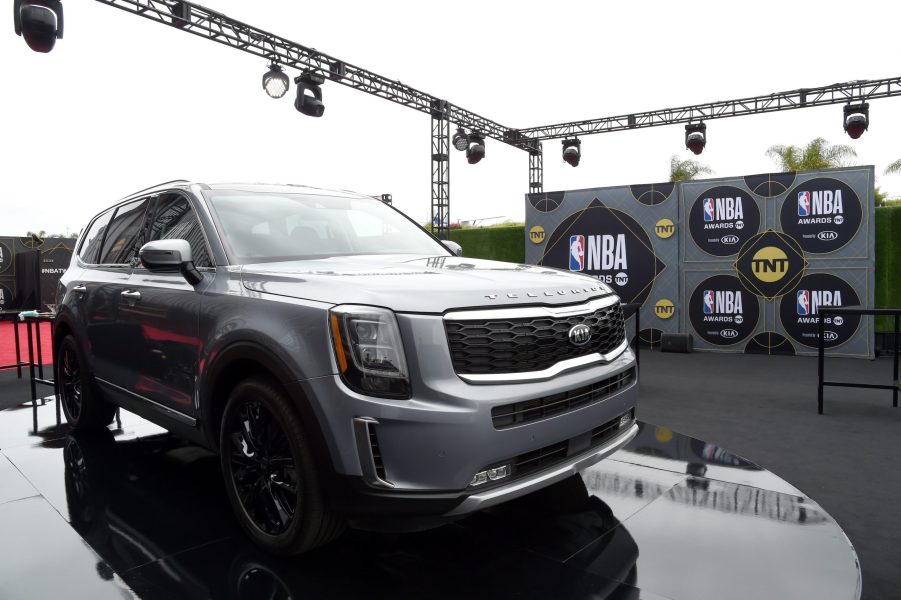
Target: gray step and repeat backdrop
x=741, y=263
x=18, y=287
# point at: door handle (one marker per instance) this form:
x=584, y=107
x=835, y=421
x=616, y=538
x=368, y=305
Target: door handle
x=131, y=296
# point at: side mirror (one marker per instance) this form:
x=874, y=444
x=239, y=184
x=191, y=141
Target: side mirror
x=455, y=248
x=171, y=255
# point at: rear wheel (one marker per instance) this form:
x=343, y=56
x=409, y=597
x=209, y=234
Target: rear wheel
x=270, y=474
x=83, y=408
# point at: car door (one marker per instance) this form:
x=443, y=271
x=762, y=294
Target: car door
x=111, y=349
x=162, y=312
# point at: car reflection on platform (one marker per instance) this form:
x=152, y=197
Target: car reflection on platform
x=154, y=511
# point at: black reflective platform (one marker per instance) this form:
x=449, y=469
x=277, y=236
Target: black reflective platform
x=138, y=512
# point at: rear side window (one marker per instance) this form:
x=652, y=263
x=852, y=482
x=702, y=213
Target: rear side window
x=174, y=219
x=124, y=234
x=90, y=247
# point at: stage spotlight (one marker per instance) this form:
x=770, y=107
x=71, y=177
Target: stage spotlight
x=696, y=137
x=40, y=22
x=572, y=151
x=475, y=151
x=857, y=119
x=275, y=82
x=461, y=140
x=310, y=103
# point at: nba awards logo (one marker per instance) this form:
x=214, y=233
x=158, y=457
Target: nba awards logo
x=803, y=204
x=708, y=210
x=599, y=253
x=708, y=302
x=577, y=253
x=803, y=303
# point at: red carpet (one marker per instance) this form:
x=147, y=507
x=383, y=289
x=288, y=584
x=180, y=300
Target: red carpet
x=8, y=343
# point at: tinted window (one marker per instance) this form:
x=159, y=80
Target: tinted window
x=174, y=219
x=265, y=226
x=90, y=246
x=124, y=234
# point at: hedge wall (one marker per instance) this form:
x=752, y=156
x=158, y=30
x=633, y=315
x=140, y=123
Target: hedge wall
x=495, y=243
x=508, y=244
x=888, y=262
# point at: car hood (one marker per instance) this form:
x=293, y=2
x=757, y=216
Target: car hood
x=419, y=284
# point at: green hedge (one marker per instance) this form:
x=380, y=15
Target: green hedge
x=888, y=262
x=508, y=244
x=494, y=243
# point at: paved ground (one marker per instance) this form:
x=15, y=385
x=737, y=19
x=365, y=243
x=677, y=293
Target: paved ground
x=764, y=408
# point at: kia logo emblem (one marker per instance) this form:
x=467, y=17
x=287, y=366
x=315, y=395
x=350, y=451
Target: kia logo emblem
x=580, y=334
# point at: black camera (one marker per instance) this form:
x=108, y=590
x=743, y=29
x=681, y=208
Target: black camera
x=40, y=22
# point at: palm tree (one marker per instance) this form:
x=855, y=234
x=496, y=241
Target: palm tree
x=818, y=154
x=893, y=168
x=686, y=170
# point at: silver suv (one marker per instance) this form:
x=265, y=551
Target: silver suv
x=347, y=366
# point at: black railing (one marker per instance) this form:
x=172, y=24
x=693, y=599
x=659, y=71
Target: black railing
x=825, y=312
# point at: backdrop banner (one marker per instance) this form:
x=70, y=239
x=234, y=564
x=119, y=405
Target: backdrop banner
x=17, y=287
x=624, y=236
x=742, y=263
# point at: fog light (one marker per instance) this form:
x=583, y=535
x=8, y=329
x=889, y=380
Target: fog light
x=492, y=474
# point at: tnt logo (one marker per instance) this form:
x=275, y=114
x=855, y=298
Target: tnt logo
x=708, y=302
x=803, y=204
x=576, y=252
x=664, y=309
x=709, y=210
x=536, y=234
x=803, y=303
x=664, y=228
x=769, y=264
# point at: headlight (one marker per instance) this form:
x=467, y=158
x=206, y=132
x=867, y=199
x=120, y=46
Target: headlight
x=369, y=352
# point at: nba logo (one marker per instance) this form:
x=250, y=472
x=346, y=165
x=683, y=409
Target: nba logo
x=708, y=209
x=803, y=299
x=708, y=302
x=576, y=252
x=803, y=207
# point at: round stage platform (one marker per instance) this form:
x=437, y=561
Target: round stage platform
x=140, y=513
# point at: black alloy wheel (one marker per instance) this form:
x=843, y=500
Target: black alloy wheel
x=263, y=468
x=270, y=473
x=70, y=382
x=82, y=405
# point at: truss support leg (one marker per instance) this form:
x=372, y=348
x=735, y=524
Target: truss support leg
x=536, y=170
x=440, y=170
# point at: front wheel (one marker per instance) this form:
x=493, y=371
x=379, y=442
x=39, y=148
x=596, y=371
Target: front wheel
x=83, y=408
x=270, y=473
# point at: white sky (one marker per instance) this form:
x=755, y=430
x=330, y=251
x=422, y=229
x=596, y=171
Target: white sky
x=123, y=103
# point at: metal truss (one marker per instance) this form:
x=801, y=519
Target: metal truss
x=440, y=170
x=536, y=170
x=838, y=93
x=220, y=28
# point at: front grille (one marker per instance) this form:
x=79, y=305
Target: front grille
x=518, y=413
x=554, y=454
x=496, y=346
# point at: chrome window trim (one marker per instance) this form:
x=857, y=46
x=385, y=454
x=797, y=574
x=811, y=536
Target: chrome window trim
x=532, y=312
x=545, y=374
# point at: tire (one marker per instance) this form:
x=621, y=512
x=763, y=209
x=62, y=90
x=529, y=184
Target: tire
x=82, y=405
x=270, y=474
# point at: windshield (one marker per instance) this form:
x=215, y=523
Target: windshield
x=267, y=227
